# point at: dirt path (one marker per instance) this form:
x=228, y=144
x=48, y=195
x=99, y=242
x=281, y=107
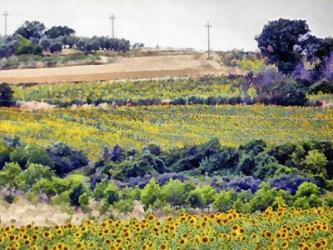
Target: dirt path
x=122, y=68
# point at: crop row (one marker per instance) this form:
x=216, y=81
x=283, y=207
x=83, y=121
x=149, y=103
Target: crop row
x=69, y=93
x=90, y=129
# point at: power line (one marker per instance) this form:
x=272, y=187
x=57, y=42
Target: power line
x=157, y=21
x=112, y=18
x=208, y=26
x=5, y=14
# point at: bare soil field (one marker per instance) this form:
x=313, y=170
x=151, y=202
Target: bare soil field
x=122, y=68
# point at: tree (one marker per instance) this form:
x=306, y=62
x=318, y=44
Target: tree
x=33, y=30
x=26, y=46
x=277, y=40
x=8, y=46
x=150, y=194
x=6, y=95
x=55, y=46
x=57, y=31
x=45, y=43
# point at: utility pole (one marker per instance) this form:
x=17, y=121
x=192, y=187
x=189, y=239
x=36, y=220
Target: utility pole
x=112, y=18
x=5, y=14
x=208, y=26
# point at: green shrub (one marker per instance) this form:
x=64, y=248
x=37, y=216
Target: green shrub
x=196, y=199
x=306, y=189
x=34, y=173
x=27, y=154
x=263, y=198
x=124, y=206
x=25, y=46
x=175, y=193
x=315, y=162
x=9, y=175
x=224, y=200
x=329, y=201
x=150, y=194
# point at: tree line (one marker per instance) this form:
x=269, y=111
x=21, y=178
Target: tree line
x=33, y=38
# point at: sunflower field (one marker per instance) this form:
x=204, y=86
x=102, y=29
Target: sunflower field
x=90, y=129
x=281, y=229
x=84, y=92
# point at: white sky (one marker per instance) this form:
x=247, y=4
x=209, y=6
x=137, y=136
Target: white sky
x=173, y=23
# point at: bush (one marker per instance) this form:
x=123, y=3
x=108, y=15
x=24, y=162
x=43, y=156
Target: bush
x=275, y=88
x=84, y=201
x=6, y=95
x=315, y=162
x=25, y=46
x=224, y=200
x=289, y=182
x=4, y=154
x=240, y=184
x=124, y=206
x=306, y=189
x=196, y=199
x=264, y=198
x=27, y=154
x=65, y=158
x=75, y=194
x=323, y=86
x=150, y=194
x=174, y=192
x=9, y=175
x=201, y=197
x=329, y=201
x=111, y=194
x=34, y=173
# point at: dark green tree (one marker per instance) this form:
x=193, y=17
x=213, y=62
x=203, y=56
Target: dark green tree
x=6, y=95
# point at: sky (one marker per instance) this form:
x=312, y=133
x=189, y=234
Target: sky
x=171, y=23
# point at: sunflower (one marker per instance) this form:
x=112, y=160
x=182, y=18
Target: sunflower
x=324, y=242
x=285, y=244
x=163, y=246
x=183, y=240
x=297, y=233
x=205, y=239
